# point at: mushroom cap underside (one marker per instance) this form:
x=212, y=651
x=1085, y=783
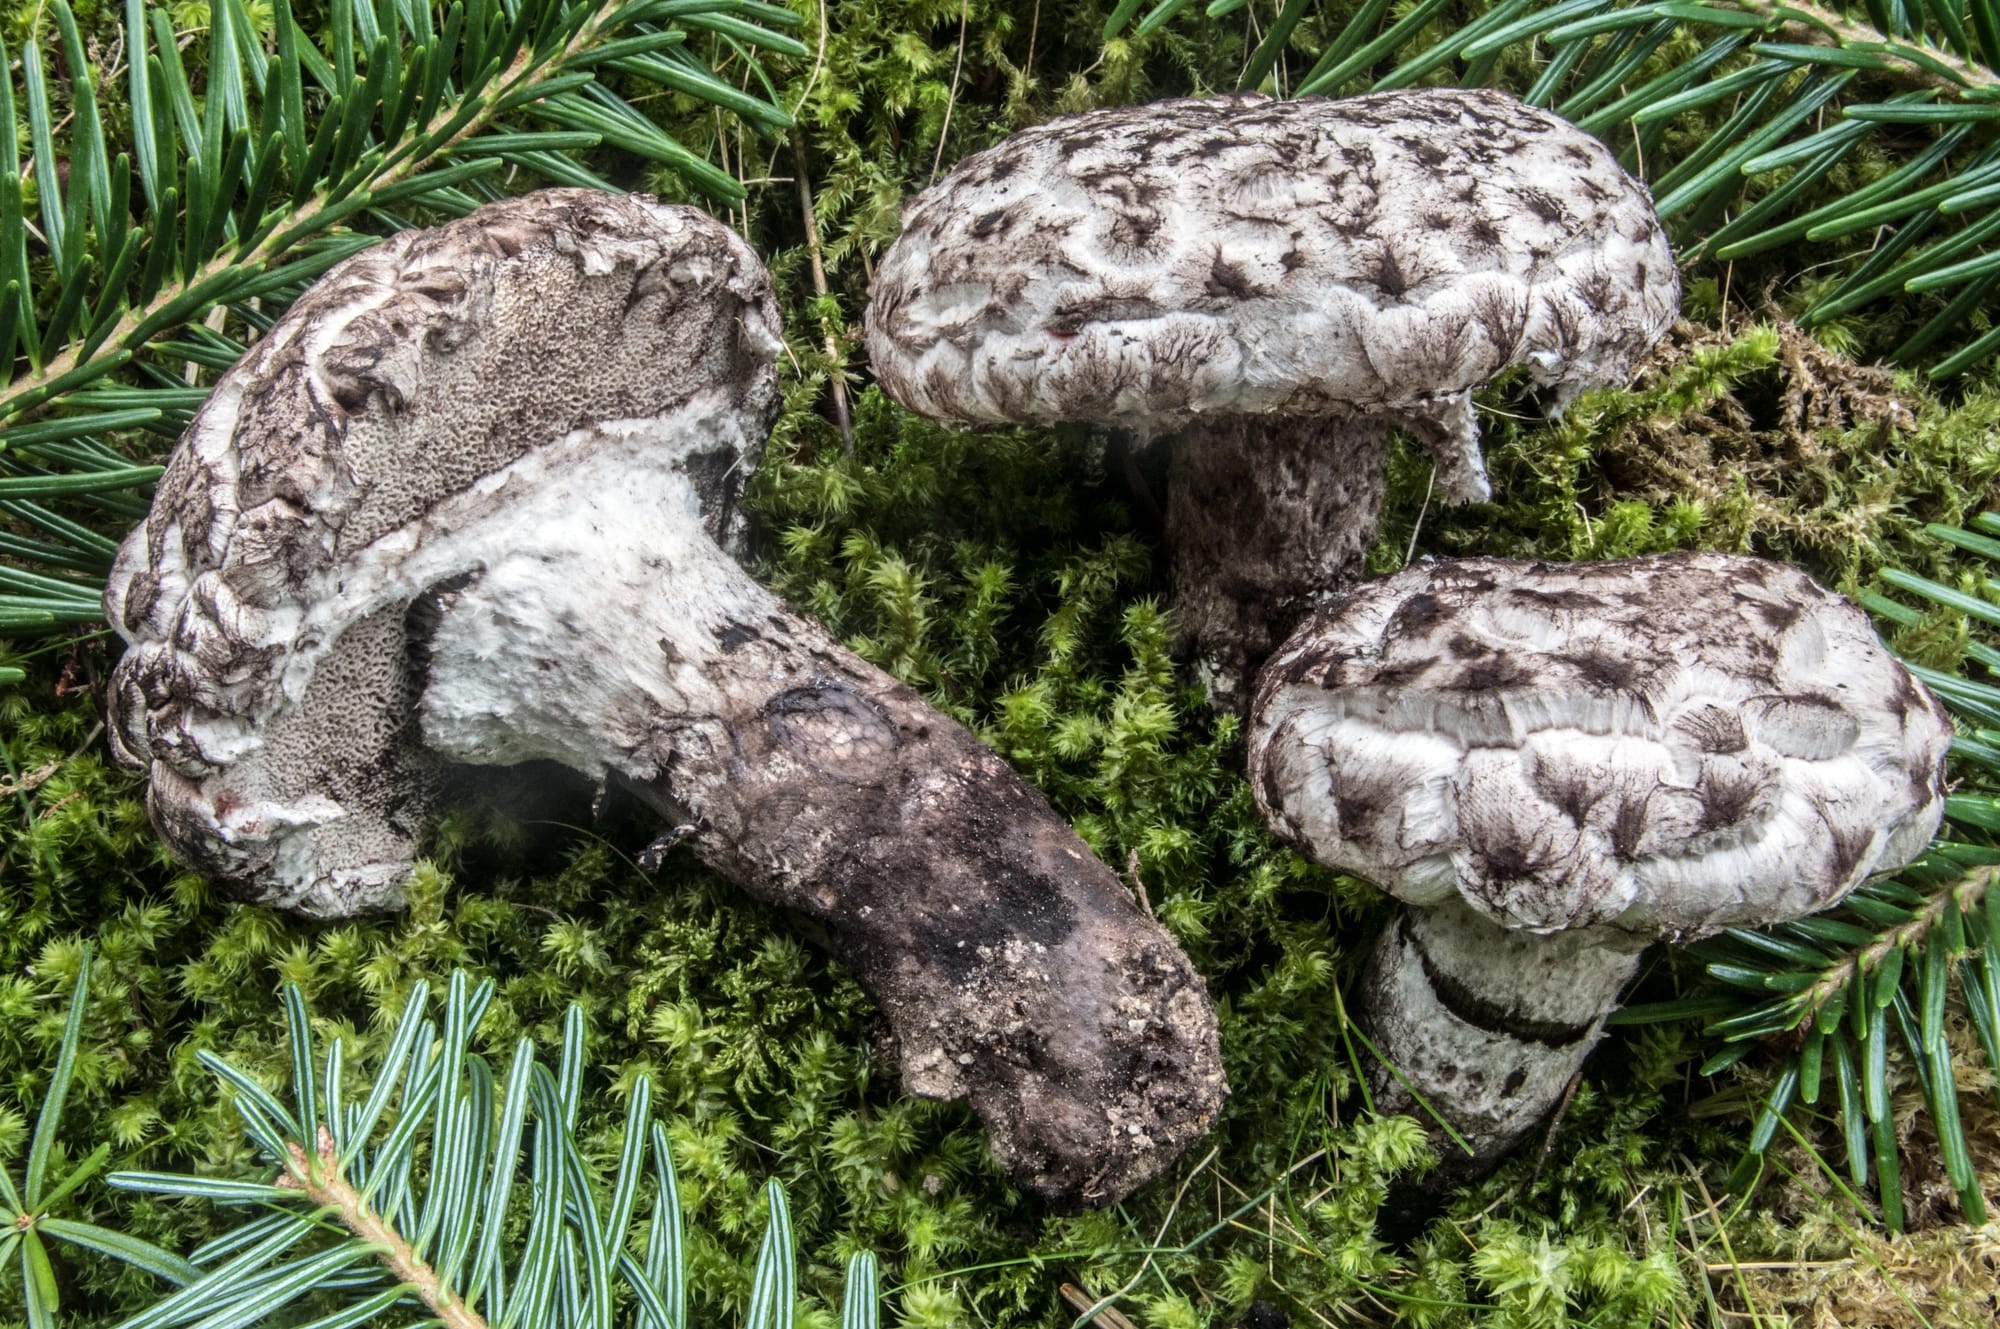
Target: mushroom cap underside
x=1668, y=745
x=1146, y=265
x=274, y=629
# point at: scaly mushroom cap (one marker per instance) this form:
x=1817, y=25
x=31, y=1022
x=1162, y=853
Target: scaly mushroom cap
x=1386, y=254
x=275, y=600
x=1667, y=745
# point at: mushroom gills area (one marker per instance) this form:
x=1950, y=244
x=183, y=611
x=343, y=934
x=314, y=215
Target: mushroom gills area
x=1489, y=1023
x=604, y=630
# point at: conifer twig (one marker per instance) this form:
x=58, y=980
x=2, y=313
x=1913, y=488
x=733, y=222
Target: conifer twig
x=434, y=1201
x=397, y=167
x=321, y=1181
x=1814, y=25
x=1832, y=984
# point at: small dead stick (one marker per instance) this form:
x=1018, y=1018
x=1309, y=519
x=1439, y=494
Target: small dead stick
x=1555, y=1120
x=833, y=352
x=1082, y=1303
x=1138, y=883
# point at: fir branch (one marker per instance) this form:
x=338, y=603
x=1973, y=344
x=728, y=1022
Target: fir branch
x=1831, y=988
x=426, y=1191
x=317, y=1176
x=423, y=146
x=114, y=290
x=1926, y=66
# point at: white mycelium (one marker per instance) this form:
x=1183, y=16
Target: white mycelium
x=1556, y=764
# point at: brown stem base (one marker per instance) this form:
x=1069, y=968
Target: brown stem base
x=1015, y=970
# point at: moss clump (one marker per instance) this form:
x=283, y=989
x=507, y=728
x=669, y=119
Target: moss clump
x=1757, y=440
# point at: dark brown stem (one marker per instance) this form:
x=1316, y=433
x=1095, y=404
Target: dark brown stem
x=1264, y=516
x=1015, y=970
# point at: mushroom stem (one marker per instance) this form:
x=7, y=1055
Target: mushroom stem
x=1265, y=515
x=1488, y=1024
x=1013, y=969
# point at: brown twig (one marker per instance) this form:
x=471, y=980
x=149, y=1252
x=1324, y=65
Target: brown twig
x=1138, y=883
x=951, y=97
x=1966, y=895
x=838, y=372
x=32, y=780
x=1082, y=1302
x=1555, y=1122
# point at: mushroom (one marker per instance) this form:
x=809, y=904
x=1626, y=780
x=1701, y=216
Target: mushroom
x=1553, y=765
x=471, y=500
x=1274, y=285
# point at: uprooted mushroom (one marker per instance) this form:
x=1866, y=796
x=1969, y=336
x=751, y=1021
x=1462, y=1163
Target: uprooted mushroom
x=1274, y=284
x=1554, y=765
x=470, y=501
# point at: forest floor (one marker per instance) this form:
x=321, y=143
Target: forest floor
x=1015, y=577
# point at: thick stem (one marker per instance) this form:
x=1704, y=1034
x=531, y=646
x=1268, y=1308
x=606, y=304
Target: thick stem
x=1015, y=971
x=1014, y=968
x=1264, y=516
x=1486, y=1023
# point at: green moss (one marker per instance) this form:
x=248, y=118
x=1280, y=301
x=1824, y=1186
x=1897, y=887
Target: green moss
x=1757, y=441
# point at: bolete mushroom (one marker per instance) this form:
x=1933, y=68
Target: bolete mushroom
x=1553, y=765
x=1274, y=285
x=469, y=501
